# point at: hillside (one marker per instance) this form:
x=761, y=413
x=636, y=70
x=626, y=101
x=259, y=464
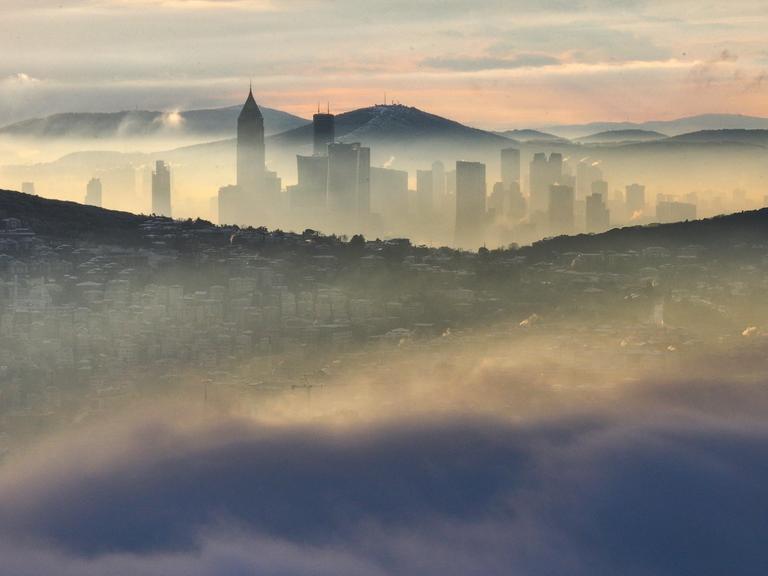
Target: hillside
x=715, y=233
x=671, y=127
x=137, y=124
x=394, y=123
x=621, y=136
x=70, y=220
x=527, y=135
x=735, y=136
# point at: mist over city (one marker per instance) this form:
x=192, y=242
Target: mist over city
x=383, y=288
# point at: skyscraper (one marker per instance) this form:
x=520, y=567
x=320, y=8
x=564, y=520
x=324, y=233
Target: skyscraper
x=635, y=200
x=510, y=167
x=597, y=215
x=587, y=172
x=324, y=132
x=229, y=202
x=311, y=190
x=93, y=192
x=424, y=193
x=556, y=166
x=561, y=205
x=349, y=181
x=389, y=196
x=161, y=189
x=250, y=148
x=470, y=204
x=544, y=173
x=438, y=177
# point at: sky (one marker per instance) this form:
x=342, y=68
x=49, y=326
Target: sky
x=494, y=64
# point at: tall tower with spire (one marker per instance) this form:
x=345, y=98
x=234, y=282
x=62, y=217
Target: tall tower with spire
x=250, y=147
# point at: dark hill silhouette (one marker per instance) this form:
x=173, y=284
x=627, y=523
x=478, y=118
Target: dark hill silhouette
x=392, y=124
x=70, y=220
x=721, y=231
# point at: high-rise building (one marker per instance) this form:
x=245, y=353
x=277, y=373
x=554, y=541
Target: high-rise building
x=438, y=179
x=424, y=193
x=600, y=187
x=311, y=188
x=556, y=166
x=510, y=167
x=561, y=209
x=28, y=188
x=229, y=204
x=349, y=181
x=544, y=172
x=250, y=148
x=93, y=192
x=470, y=204
x=587, y=172
x=161, y=189
x=539, y=182
x=635, y=200
x=323, y=132
x=597, y=214
x=389, y=196
x=518, y=206
x=497, y=204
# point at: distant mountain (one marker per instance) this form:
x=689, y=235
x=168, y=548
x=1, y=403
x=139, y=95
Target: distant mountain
x=671, y=127
x=217, y=122
x=396, y=124
x=754, y=137
x=527, y=135
x=622, y=136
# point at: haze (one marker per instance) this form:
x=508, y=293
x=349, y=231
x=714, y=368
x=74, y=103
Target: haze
x=354, y=288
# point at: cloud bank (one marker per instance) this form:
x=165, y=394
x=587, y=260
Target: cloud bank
x=669, y=480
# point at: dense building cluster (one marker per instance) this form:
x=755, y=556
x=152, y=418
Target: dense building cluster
x=279, y=309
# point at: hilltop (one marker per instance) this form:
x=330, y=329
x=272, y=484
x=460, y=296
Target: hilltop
x=393, y=123
x=671, y=127
x=145, y=123
x=715, y=233
x=70, y=220
x=528, y=135
x=757, y=137
x=622, y=136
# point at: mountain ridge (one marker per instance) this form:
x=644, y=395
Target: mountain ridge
x=391, y=122
x=672, y=127
x=142, y=123
x=619, y=136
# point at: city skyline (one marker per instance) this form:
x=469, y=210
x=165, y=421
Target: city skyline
x=493, y=65
x=383, y=288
